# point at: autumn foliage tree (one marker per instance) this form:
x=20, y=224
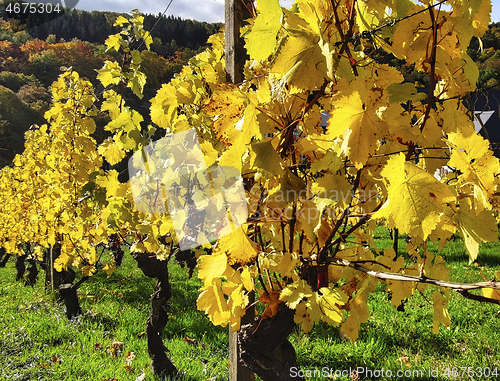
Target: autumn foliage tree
x=315, y=192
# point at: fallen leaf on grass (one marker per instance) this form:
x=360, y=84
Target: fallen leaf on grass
x=129, y=358
x=190, y=341
x=115, y=348
x=405, y=359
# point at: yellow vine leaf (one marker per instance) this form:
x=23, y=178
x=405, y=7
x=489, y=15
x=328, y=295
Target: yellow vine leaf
x=366, y=18
x=266, y=158
x=237, y=247
x=110, y=74
x=303, y=317
x=109, y=268
x=490, y=292
x=287, y=264
x=89, y=270
x=330, y=302
x=331, y=162
x=120, y=20
x=261, y=39
x=351, y=120
x=299, y=60
x=332, y=190
x=293, y=293
x=166, y=226
x=111, y=152
x=209, y=153
x=213, y=303
x=211, y=267
x=403, y=92
x=476, y=229
x=164, y=106
x=62, y=262
x=482, y=18
x=416, y=199
x=359, y=311
x=114, y=42
x=246, y=278
x=441, y=315
x=471, y=155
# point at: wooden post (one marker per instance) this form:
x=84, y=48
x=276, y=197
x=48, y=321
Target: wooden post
x=51, y=261
x=238, y=372
x=236, y=11
x=395, y=236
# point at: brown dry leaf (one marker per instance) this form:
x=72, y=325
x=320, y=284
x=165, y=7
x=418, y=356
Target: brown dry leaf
x=405, y=360
x=272, y=299
x=350, y=287
x=129, y=358
x=115, y=348
x=191, y=341
x=355, y=376
x=324, y=231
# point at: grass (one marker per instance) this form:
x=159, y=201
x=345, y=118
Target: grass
x=37, y=342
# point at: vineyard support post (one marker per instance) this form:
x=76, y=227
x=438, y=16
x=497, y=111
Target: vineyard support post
x=236, y=11
x=395, y=236
x=51, y=262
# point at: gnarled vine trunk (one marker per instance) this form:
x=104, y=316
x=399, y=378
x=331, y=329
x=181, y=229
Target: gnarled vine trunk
x=4, y=257
x=32, y=272
x=62, y=281
x=20, y=266
x=70, y=297
x=154, y=268
x=265, y=349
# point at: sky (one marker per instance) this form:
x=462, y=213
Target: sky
x=201, y=10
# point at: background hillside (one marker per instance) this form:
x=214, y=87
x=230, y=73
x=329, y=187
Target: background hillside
x=31, y=55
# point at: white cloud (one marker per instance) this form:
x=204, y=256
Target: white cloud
x=201, y=10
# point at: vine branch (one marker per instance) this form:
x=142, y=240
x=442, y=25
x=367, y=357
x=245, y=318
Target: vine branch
x=461, y=288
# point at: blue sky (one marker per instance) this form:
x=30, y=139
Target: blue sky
x=201, y=10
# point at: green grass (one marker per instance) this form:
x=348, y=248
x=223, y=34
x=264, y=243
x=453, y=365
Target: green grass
x=37, y=342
